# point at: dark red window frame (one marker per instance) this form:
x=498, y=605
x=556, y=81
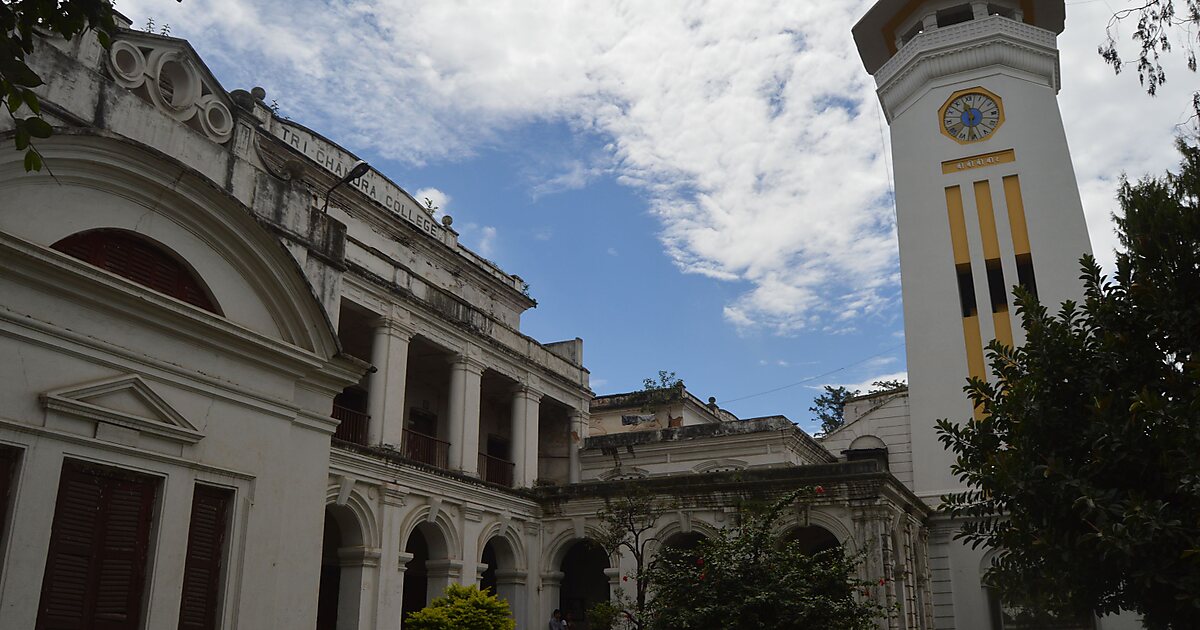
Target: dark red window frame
x=136, y=258
x=200, y=604
x=95, y=574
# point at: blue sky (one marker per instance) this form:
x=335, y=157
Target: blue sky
x=669, y=177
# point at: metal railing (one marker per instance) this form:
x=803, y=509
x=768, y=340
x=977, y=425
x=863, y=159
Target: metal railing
x=495, y=470
x=426, y=449
x=354, y=425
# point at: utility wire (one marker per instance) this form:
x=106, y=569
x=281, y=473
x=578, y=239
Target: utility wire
x=813, y=378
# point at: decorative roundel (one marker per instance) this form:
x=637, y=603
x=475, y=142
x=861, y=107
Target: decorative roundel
x=175, y=84
x=971, y=115
x=128, y=64
x=215, y=119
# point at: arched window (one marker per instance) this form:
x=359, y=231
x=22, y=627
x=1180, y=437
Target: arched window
x=141, y=260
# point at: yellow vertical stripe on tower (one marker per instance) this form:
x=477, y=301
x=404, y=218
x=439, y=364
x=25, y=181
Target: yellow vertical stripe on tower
x=1016, y=214
x=974, y=343
x=987, y=220
x=1002, y=324
x=958, y=226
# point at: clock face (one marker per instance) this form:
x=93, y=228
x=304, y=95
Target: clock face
x=971, y=116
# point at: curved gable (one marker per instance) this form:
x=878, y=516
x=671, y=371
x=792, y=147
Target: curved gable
x=109, y=183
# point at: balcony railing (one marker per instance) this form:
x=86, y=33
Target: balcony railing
x=495, y=470
x=354, y=425
x=426, y=449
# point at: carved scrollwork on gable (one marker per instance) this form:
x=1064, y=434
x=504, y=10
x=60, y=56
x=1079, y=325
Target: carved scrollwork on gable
x=172, y=79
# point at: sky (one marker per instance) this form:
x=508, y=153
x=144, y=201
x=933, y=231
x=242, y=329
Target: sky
x=668, y=176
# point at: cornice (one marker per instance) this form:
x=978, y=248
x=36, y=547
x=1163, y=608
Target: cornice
x=995, y=41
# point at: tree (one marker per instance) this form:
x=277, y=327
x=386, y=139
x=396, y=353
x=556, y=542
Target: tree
x=463, y=607
x=747, y=577
x=1084, y=470
x=1156, y=21
x=626, y=523
x=22, y=21
x=830, y=407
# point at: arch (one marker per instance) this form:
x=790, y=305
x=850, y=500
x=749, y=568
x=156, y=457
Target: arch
x=356, y=514
x=585, y=580
x=867, y=441
x=345, y=561
x=821, y=518
x=675, y=528
x=514, y=544
x=556, y=550
x=126, y=185
x=141, y=260
x=446, y=542
x=812, y=539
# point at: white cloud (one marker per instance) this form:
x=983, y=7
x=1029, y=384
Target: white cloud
x=439, y=199
x=612, y=251
x=740, y=122
x=865, y=385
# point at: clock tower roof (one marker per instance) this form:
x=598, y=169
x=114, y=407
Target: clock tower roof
x=878, y=32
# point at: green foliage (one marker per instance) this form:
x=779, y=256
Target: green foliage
x=604, y=616
x=660, y=392
x=20, y=22
x=746, y=577
x=830, y=407
x=463, y=608
x=1085, y=469
x=625, y=525
x=1156, y=21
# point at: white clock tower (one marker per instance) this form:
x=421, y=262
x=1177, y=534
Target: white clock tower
x=986, y=198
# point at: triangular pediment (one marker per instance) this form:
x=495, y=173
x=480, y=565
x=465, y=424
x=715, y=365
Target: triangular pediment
x=167, y=72
x=126, y=401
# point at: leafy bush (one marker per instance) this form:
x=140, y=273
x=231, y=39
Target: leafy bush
x=746, y=577
x=463, y=608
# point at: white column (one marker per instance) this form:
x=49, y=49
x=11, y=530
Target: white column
x=360, y=573
x=442, y=573
x=525, y=404
x=510, y=586
x=551, y=590
x=574, y=442
x=390, y=594
x=463, y=408
x=385, y=397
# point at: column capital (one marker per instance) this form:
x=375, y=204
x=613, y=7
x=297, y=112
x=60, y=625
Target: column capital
x=528, y=392
x=466, y=362
x=403, y=559
x=393, y=326
x=359, y=556
x=552, y=578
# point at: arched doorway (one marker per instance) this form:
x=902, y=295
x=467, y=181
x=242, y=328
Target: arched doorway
x=502, y=575
x=584, y=583
x=813, y=539
x=338, y=599
x=429, y=570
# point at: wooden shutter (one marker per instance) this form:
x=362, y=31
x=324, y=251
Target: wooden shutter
x=199, y=607
x=99, y=545
x=137, y=259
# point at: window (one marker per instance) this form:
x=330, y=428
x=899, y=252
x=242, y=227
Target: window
x=8, y=478
x=996, y=290
x=1025, y=273
x=955, y=15
x=138, y=259
x=200, y=604
x=966, y=290
x=99, y=546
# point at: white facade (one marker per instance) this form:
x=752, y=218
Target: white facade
x=976, y=214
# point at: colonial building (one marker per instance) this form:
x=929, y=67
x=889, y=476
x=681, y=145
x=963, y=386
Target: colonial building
x=252, y=383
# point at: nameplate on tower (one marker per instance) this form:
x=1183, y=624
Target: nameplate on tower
x=949, y=167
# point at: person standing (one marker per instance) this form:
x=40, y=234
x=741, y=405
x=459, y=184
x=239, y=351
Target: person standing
x=556, y=620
